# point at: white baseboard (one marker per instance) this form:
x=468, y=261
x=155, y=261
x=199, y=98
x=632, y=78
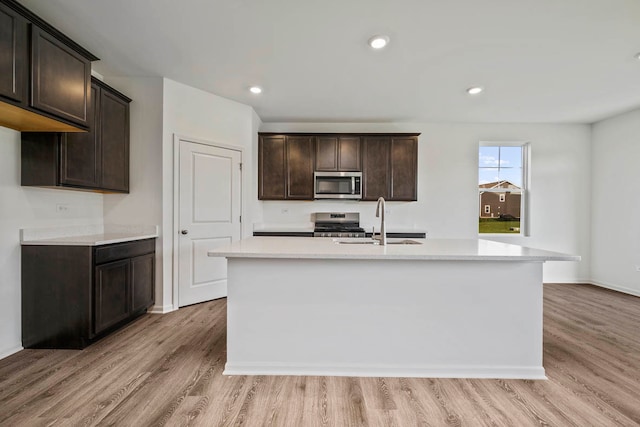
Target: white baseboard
x=9, y=352
x=613, y=287
x=161, y=309
x=503, y=372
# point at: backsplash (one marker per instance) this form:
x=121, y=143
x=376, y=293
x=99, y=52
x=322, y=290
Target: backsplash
x=400, y=216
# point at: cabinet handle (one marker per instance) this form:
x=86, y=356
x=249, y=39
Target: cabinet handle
x=184, y=231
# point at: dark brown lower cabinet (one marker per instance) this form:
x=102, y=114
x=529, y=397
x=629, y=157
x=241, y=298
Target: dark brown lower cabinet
x=111, y=298
x=74, y=295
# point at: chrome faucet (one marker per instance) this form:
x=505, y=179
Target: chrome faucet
x=383, y=230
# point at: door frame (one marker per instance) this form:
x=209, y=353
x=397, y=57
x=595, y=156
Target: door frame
x=176, y=202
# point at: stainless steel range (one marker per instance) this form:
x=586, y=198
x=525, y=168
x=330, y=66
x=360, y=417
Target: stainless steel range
x=338, y=224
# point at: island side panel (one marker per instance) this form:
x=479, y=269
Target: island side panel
x=464, y=319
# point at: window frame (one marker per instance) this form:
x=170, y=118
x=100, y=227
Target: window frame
x=525, y=189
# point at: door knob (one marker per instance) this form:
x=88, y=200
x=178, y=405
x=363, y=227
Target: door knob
x=184, y=231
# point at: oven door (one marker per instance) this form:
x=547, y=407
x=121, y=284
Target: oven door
x=338, y=185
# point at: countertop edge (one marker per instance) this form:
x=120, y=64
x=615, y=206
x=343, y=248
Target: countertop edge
x=59, y=242
x=428, y=250
x=398, y=257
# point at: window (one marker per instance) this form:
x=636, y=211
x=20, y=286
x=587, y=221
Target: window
x=502, y=186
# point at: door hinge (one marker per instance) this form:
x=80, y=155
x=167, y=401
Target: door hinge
x=240, y=166
x=240, y=218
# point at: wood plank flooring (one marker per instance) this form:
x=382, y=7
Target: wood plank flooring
x=166, y=370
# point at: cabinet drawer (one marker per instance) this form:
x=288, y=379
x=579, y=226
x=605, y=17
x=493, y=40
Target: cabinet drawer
x=118, y=251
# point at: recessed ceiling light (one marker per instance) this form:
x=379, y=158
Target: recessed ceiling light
x=255, y=89
x=474, y=90
x=637, y=56
x=378, y=42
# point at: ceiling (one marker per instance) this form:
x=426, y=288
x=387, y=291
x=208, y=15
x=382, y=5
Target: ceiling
x=568, y=61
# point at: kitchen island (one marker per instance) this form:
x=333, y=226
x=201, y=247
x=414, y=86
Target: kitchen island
x=441, y=308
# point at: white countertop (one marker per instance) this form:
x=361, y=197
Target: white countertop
x=87, y=235
x=430, y=249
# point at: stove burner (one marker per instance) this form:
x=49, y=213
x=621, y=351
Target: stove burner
x=338, y=225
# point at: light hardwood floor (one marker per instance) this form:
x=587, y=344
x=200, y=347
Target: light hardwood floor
x=166, y=370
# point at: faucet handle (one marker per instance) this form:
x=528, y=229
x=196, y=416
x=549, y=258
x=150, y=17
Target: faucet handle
x=373, y=234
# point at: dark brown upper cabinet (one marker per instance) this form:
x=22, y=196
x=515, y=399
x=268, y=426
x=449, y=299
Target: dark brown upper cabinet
x=13, y=55
x=389, y=163
x=80, y=153
x=97, y=160
x=44, y=75
x=285, y=167
x=404, y=169
x=300, y=150
x=390, y=168
x=113, y=132
x=375, y=167
x=272, y=166
x=60, y=79
x=338, y=153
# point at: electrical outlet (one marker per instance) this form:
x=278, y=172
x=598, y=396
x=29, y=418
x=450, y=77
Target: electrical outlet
x=62, y=208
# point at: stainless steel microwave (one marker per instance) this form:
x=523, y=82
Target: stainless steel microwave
x=337, y=185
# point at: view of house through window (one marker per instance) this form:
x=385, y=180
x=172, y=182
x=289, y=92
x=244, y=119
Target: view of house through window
x=501, y=183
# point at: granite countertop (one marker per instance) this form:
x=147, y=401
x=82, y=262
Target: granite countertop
x=88, y=235
x=429, y=249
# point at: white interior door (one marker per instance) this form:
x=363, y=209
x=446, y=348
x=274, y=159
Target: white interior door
x=209, y=216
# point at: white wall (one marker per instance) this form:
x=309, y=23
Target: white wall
x=143, y=204
x=25, y=207
x=193, y=113
x=448, y=186
x=615, y=249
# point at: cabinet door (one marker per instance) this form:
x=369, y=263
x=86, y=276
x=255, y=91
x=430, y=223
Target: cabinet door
x=111, y=294
x=271, y=168
x=114, y=142
x=13, y=55
x=60, y=79
x=404, y=169
x=349, y=153
x=80, y=153
x=300, y=162
x=338, y=153
x=375, y=167
x=327, y=153
x=142, y=282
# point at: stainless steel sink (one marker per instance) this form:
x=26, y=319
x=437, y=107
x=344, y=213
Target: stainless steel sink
x=375, y=242
x=403, y=242
x=355, y=242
